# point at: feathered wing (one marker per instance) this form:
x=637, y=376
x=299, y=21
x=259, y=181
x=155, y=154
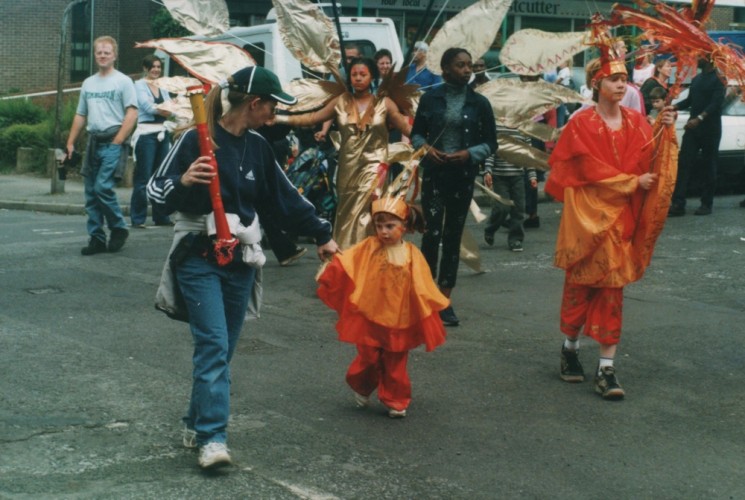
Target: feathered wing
x=521, y=153
x=405, y=95
x=209, y=62
x=201, y=17
x=308, y=34
x=473, y=29
x=533, y=52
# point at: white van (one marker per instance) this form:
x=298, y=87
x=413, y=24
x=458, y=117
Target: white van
x=264, y=43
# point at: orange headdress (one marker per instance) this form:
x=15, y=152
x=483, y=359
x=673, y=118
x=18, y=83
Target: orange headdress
x=391, y=205
x=610, y=61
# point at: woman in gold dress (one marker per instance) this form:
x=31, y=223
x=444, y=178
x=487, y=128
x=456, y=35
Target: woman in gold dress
x=363, y=121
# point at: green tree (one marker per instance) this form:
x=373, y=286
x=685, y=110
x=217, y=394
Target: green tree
x=165, y=26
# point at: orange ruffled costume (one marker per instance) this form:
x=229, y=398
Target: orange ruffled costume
x=608, y=226
x=381, y=304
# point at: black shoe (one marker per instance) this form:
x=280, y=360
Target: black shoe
x=532, y=222
x=571, y=368
x=489, y=237
x=94, y=246
x=118, y=237
x=703, y=210
x=167, y=222
x=448, y=317
x=606, y=384
x=676, y=211
x=516, y=246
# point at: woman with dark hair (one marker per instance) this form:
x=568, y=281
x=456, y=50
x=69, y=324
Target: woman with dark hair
x=215, y=294
x=457, y=126
x=384, y=62
x=151, y=141
x=362, y=119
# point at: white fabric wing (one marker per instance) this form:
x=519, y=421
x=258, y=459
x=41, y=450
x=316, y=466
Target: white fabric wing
x=201, y=17
x=473, y=29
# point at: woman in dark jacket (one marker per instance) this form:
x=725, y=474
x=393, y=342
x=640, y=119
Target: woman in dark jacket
x=457, y=126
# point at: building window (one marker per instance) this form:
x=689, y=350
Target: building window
x=80, y=43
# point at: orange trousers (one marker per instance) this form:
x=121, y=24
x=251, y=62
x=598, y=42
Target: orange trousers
x=385, y=370
x=596, y=311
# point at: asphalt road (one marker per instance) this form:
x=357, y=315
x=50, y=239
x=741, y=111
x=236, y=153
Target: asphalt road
x=94, y=381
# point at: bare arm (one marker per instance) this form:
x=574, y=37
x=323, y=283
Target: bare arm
x=396, y=118
x=128, y=125
x=309, y=119
x=77, y=125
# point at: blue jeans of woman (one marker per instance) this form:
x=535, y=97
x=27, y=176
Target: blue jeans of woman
x=101, y=202
x=216, y=298
x=150, y=153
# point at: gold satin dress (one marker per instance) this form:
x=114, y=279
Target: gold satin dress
x=360, y=153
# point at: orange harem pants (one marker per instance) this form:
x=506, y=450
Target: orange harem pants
x=598, y=310
x=385, y=370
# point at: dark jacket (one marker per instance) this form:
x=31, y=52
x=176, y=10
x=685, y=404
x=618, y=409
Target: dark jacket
x=706, y=94
x=251, y=181
x=479, y=127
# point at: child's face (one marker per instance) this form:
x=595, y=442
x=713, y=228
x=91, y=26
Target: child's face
x=389, y=228
x=658, y=104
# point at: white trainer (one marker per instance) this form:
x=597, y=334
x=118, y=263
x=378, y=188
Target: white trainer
x=362, y=401
x=214, y=454
x=189, y=438
x=396, y=413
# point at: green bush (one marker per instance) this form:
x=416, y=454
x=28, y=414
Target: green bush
x=37, y=136
x=16, y=111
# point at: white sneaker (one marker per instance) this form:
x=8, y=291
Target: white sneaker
x=396, y=413
x=362, y=401
x=214, y=454
x=189, y=437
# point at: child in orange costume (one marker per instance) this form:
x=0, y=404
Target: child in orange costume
x=387, y=303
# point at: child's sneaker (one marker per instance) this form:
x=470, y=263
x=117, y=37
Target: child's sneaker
x=189, y=438
x=571, y=368
x=213, y=455
x=516, y=246
x=361, y=401
x=606, y=384
x=396, y=413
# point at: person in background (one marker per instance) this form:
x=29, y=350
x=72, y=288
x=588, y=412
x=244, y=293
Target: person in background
x=702, y=133
x=657, y=100
x=151, y=141
x=418, y=73
x=108, y=104
x=384, y=61
x=644, y=67
x=216, y=295
x=456, y=126
x=479, y=74
x=660, y=79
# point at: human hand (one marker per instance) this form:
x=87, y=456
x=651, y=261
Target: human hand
x=328, y=250
x=319, y=136
x=669, y=115
x=488, y=181
x=437, y=156
x=647, y=180
x=459, y=157
x=692, y=123
x=534, y=183
x=199, y=172
x=70, y=151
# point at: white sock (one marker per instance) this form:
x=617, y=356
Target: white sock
x=604, y=362
x=571, y=345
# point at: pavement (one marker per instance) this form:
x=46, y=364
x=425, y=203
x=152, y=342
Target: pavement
x=30, y=192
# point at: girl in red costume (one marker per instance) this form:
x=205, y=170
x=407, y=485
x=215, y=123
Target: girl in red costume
x=615, y=176
x=387, y=303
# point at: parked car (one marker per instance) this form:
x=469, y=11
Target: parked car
x=731, y=165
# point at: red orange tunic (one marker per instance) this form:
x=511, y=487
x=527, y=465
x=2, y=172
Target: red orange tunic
x=382, y=304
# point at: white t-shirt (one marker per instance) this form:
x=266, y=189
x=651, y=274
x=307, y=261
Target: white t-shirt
x=105, y=99
x=642, y=75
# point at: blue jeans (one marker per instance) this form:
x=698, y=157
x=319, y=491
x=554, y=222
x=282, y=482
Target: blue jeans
x=216, y=298
x=100, y=198
x=150, y=153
